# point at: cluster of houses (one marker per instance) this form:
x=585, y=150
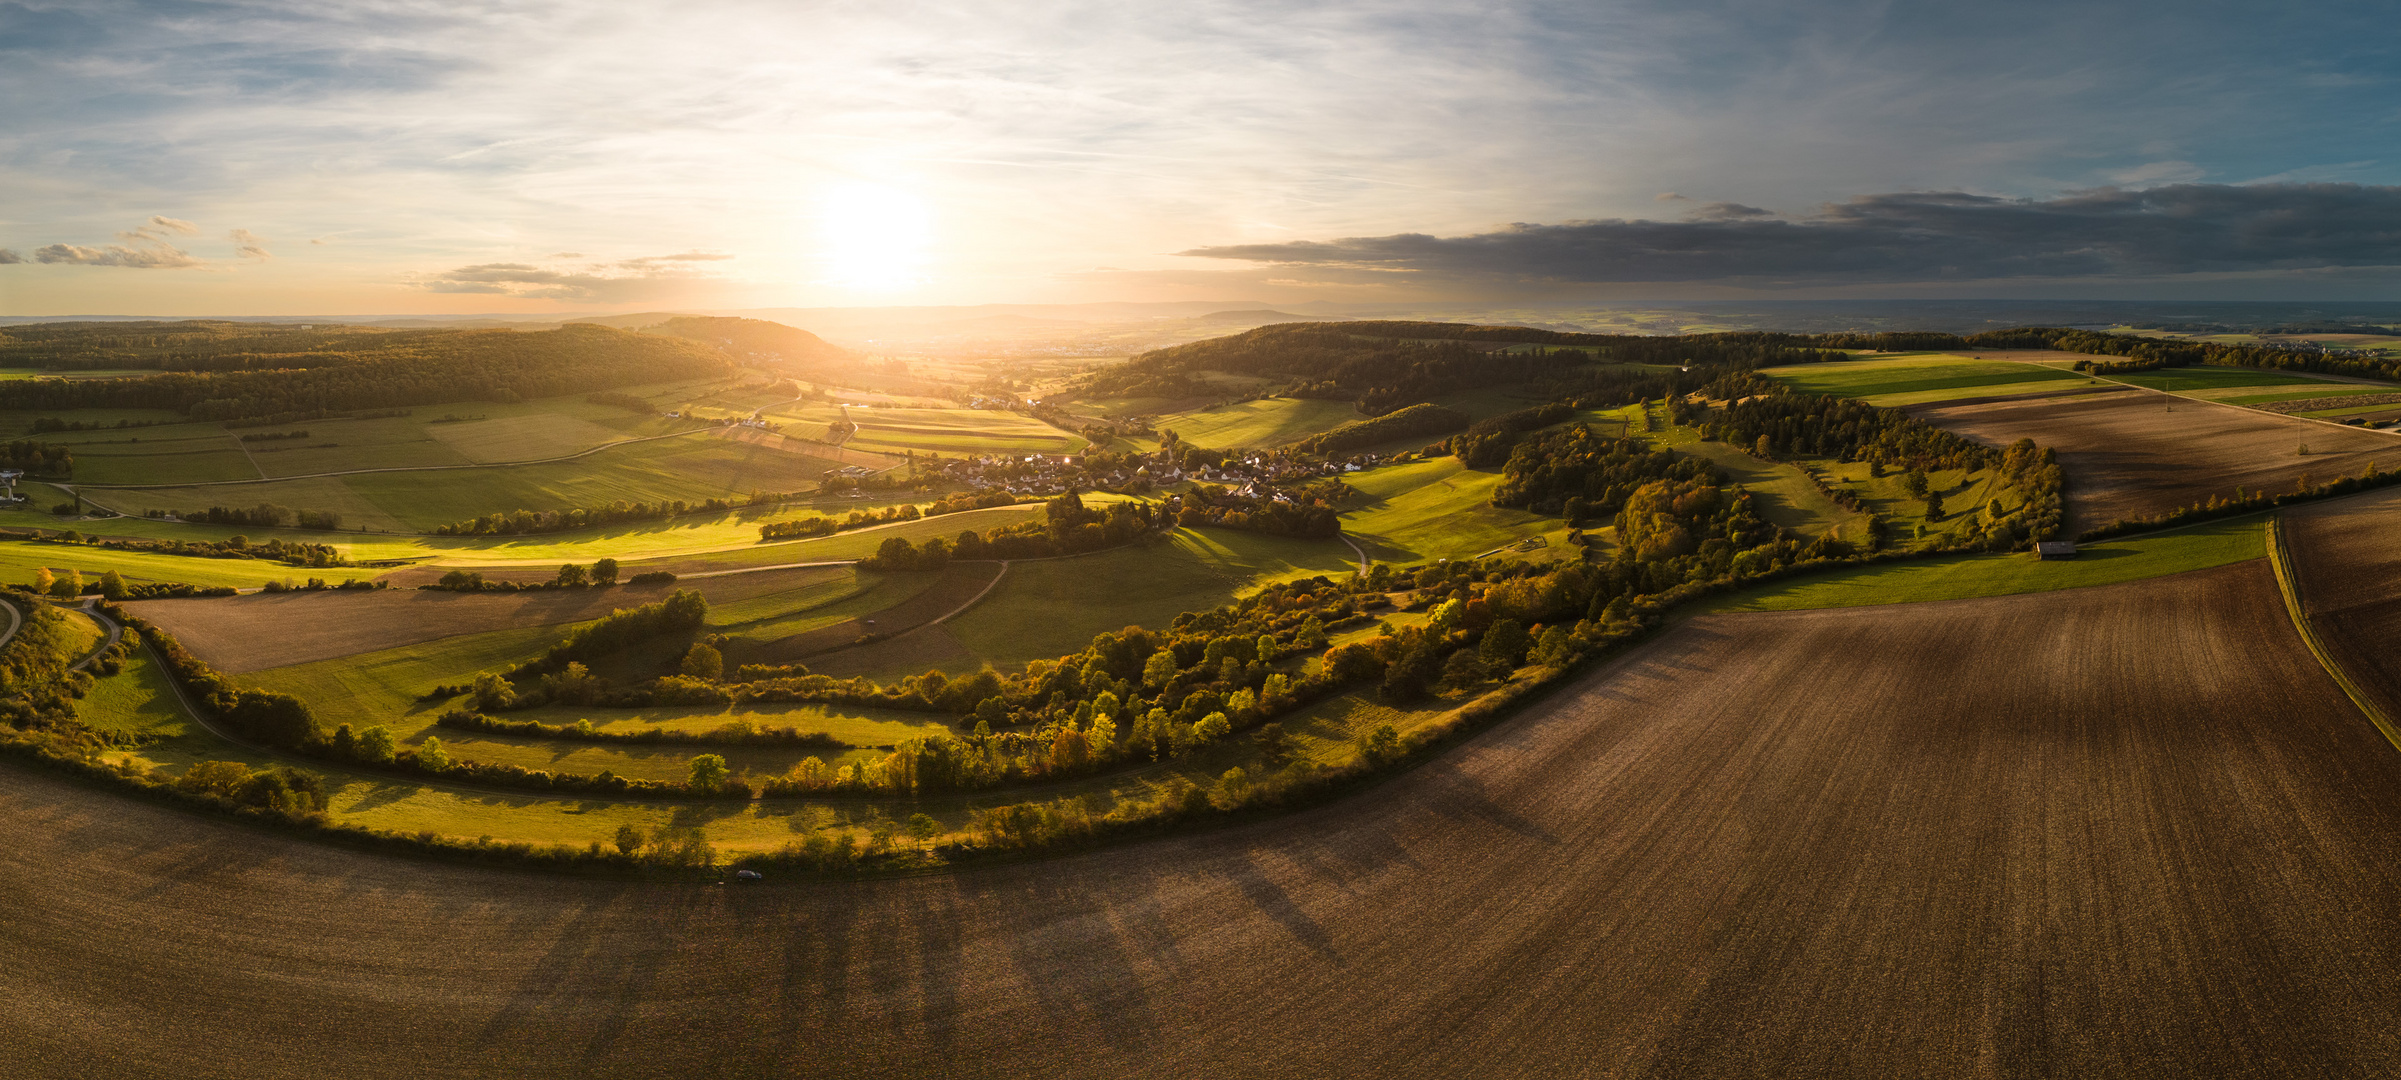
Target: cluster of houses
x=1252, y=477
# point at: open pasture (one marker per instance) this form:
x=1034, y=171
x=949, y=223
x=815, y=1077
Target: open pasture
x=2136, y=455
x=949, y=432
x=18, y=560
x=238, y=634
x=1957, y=577
x=1046, y=608
x=2069, y=802
x=690, y=468
x=909, y=601
x=1436, y=508
x=1266, y=422
x=1917, y=375
x=2346, y=564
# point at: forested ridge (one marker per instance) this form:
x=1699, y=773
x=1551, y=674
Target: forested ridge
x=1388, y=365
x=383, y=370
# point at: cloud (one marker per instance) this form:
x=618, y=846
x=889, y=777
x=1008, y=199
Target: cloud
x=554, y=254
x=1909, y=237
x=7, y=257
x=642, y=278
x=2159, y=172
x=145, y=247
x=657, y=260
x=248, y=245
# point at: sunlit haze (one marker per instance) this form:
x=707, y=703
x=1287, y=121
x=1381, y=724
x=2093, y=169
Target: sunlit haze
x=359, y=158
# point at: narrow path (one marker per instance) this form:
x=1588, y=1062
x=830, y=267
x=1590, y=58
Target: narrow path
x=15, y=620
x=91, y=607
x=1363, y=559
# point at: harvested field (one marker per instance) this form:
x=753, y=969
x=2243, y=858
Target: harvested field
x=2129, y=831
x=238, y=634
x=2346, y=560
x=2134, y=455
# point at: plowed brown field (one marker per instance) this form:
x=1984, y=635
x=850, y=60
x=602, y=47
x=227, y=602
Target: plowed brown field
x=2137, y=454
x=2127, y=832
x=2346, y=557
x=237, y=634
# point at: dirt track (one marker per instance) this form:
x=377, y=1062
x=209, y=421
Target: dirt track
x=2127, y=831
x=2347, y=557
x=2137, y=454
x=256, y=631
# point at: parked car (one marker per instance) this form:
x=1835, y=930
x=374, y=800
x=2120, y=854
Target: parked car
x=748, y=875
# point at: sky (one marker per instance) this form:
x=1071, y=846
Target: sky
x=423, y=156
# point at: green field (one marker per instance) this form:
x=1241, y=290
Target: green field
x=1957, y=577
x=1050, y=608
x=690, y=468
x=382, y=687
x=1263, y=423
x=18, y=561
x=1781, y=493
x=1437, y=509
x=950, y=432
x=1914, y=375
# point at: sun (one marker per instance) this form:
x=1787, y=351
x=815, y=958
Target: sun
x=873, y=237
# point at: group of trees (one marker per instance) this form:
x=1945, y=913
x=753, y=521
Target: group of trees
x=1068, y=527
x=268, y=515
x=1311, y=512
x=38, y=458
x=1379, y=365
x=289, y=552
x=1578, y=474
x=364, y=370
x=1488, y=442
x=520, y=522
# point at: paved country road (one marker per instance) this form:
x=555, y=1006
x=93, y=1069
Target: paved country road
x=2130, y=831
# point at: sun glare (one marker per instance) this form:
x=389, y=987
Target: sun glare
x=873, y=237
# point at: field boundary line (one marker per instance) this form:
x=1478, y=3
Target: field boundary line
x=2279, y=558
x=2173, y=396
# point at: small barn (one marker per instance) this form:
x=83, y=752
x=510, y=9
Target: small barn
x=2055, y=549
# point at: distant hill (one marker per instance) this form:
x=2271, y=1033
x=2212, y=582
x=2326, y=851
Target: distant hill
x=1261, y=317
x=754, y=340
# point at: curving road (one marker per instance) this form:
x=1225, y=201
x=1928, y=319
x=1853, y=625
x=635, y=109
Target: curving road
x=2124, y=831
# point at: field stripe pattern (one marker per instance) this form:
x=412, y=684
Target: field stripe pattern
x=2128, y=831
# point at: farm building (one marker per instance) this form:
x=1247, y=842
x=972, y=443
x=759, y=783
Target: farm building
x=2055, y=549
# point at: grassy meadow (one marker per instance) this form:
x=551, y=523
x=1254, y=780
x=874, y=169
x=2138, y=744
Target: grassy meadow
x=1916, y=378
x=1956, y=577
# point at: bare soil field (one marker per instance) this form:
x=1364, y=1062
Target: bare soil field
x=238, y=634
x=2346, y=558
x=2137, y=454
x=2129, y=831
x=959, y=583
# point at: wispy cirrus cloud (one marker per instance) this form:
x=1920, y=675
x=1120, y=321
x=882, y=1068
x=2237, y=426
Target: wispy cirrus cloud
x=1907, y=237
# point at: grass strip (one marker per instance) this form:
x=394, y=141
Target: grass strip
x=2280, y=558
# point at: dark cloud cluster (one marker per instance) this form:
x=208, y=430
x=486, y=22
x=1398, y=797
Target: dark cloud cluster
x=2106, y=233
